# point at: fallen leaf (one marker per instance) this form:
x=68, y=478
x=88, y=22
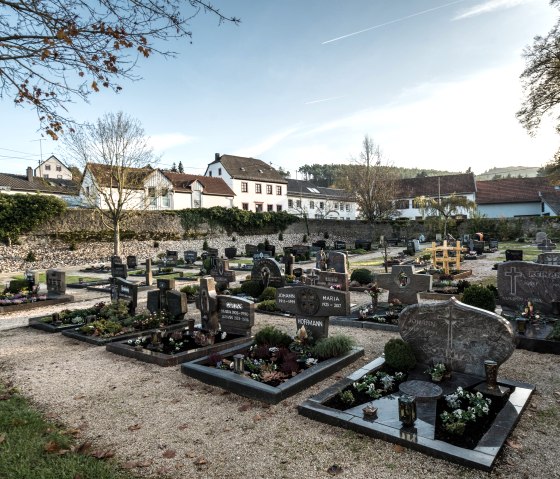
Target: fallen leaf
x=398, y=448
x=200, y=461
x=244, y=407
x=190, y=454
x=73, y=432
x=182, y=427
x=51, y=446
x=83, y=447
x=81, y=396
x=256, y=418
x=2, y=438
x=514, y=445
x=134, y=427
x=102, y=454
x=334, y=470
x=134, y=464
x=169, y=453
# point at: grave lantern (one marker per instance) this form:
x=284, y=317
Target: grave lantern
x=407, y=410
x=521, y=325
x=238, y=366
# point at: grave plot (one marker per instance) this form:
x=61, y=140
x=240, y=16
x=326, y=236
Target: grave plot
x=26, y=294
x=226, y=322
x=394, y=398
x=275, y=365
x=118, y=319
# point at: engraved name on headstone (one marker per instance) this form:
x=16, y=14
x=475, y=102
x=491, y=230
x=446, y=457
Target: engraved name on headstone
x=337, y=261
x=189, y=256
x=126, y=290
x=56, y=281
x=236, y=315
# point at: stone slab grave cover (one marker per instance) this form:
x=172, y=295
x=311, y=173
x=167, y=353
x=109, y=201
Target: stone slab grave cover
x=403, y=284
x=522, y=281
x=312, y=306
x=458, y=335
x=549, y=258
x=56, y=281
x=268, y=272
x=514, y=255
x=236, y=315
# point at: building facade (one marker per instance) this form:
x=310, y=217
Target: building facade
x=308, y=200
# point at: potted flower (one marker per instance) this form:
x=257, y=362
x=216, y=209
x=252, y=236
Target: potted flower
x=438, y=372
x=374, y=291
x=463, y=407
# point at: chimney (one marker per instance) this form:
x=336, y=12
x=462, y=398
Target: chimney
x=29, y=173
x=216, y=157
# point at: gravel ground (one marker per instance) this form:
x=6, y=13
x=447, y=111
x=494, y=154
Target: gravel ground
x=160, y=423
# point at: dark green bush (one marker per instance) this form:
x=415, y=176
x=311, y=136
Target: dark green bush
x=555, y=333
x=271, y=336
x=479, y=296
x=30, y=257
x=399, y=355
x=462, y=284
x=280, y=237
x=267, y=305
x=16, y=285
x=205, y=245
x=304, y=239
x=190, y=290
x=252, y=288
x=269, y=293
x=333, y=346
x=362, y=276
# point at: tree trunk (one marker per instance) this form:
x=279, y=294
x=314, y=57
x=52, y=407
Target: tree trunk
x=116, y=238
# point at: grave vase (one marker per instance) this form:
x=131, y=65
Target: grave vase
x=491, y=368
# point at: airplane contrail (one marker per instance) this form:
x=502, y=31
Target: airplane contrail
x=393, y=21
x=323, y=99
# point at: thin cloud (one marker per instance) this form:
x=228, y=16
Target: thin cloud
x=390, y=22
x=165, y=141
x=322, y=100
x=488, y=7
x=266, y=144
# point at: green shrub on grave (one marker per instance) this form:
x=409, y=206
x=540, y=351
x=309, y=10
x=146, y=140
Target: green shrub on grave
x=267, y=305
x=268, y=294
x=399, y=355
x=252, y=288
x=191, y=290
x=271, y=336
x=362, y=276
x=333, y=346
x=16, y=285
x=480, y=297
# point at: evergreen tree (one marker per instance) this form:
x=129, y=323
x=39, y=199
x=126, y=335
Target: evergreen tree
x=174, y=168
x=180, y=167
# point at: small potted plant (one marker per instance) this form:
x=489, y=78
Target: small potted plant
x=374, y=291
x=438, y=372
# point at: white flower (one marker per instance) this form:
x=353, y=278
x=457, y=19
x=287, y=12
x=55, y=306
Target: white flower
x=224, y=334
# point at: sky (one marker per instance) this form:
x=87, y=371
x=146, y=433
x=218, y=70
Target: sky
x=434, y=83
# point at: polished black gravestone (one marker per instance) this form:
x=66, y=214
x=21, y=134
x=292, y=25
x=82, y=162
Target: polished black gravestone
x=247, y=387
x=422, y=435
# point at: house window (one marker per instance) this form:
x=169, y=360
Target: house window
x=269, y=207
x=220, y=171
x=245, y=206
x=244, y=187
x=210, y=173
x=415, y=204
x=268, y=189
x=48, y=167
x=298, y=203
x=165, y=197
x=278, y=190
x=87, y=190
x=258, y=189
x=402, y=204
x=341, y=208
x=311, y=205
x=196, y=204
x=58, y=168
x=290, y=203
x=348, y=208
x=151, y=192
x=278, y=208
x=321, y=205
x=258, y=207
x=335, y=206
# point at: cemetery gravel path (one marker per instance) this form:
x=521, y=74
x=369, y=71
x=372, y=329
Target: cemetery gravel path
x=160, y=423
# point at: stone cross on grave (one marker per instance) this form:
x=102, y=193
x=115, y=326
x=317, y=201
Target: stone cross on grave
x=312, y=306
x=207, y=303
x=403, y=284
x=513, y=274
x=546, y=245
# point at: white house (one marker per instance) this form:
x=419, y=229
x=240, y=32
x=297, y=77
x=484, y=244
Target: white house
x=195, y=191
x=433, y=187
x=138, y=188
x=257, y=186
x=307, y=199
x=53, y=168
x=511, y=197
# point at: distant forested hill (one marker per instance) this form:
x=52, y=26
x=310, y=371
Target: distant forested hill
x=509, y=172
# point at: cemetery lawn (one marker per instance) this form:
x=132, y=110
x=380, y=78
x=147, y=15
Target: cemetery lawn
x=69, y=279
x=530, y=252
x=32, y=446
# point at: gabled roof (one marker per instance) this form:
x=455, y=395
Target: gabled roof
x=512, y=190
x=309, y=190
x=135, y=177
x=211, y=185
x=433, y=186
x=43, y=185
x=552, y=199
x=49, y=158
x=242, y=168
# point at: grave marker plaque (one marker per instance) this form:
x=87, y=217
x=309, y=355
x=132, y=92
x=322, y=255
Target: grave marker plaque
x=458, y=335
x=403, y=284
x=514, y=255
x=127, y=290
x=131, y=262
x=172, y=257
x=521, y=281
x=362, y=244
x=176, y=304
x=236, y=315
x=339, y=245
x=56, y=281
x=119, y=270
x=269, y=272
x=289, y=260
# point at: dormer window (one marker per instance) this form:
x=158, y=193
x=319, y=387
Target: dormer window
x=220, y=171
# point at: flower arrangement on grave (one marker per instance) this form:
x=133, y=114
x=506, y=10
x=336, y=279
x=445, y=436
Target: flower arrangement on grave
x=276, y=357
x=395, y=307
x=374, y=291
x=23, y=295
x=463, y=407
x=438, y=372
x=173, y=342
x=529, y=312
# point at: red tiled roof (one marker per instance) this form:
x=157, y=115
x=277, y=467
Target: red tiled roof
x=242, y=168
x=212, y=185
x=511, y=190
x=106, y=175
x=434, y=186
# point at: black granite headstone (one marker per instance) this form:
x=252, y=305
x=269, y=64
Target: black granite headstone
x=56, y=281
x=514, y=255
x=190, y=256
x=131, y=261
